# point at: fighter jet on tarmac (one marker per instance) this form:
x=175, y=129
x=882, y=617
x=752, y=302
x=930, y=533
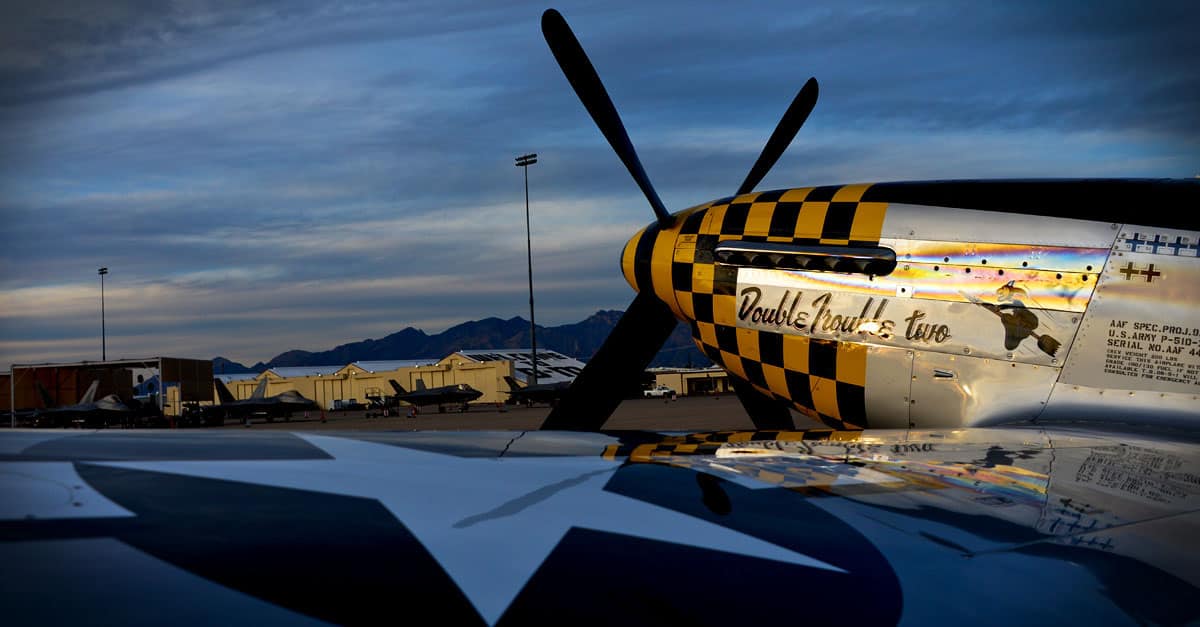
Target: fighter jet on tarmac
x=537, y=393
x=87, y=412
x=457, y=394
x=282, y=405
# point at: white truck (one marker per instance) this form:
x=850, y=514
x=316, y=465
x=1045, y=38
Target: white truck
x=659, y=391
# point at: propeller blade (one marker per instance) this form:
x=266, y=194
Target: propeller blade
x=615, y=368
x=792, y=120
x=586, y=83
x=766, y=413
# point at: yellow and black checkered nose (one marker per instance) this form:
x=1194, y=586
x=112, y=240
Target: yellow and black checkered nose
x=628, y=255
x=648, y=261
x=822, y=378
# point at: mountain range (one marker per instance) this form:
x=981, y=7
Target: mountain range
x=579, y=340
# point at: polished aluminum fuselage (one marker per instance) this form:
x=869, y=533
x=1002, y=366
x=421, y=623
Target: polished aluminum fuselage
x=978, y=318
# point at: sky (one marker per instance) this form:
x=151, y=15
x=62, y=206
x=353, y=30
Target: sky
x=266, y=176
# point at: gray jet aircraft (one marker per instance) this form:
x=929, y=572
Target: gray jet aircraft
x=537, y=393
x=87, y=412
x=457, y=394
x=281, y=405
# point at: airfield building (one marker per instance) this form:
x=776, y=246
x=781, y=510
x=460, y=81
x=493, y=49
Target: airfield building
x=163, y=384
x=336, y=386
x=690, y=381
x=172, y=384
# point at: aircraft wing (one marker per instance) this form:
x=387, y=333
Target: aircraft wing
x=969, y=526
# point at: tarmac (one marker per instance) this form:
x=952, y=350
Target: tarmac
x=700, y=413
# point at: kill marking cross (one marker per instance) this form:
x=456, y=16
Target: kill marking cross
x=1178, y=247
x=1139, y=240
x=1129, y=271
x=1173, y=247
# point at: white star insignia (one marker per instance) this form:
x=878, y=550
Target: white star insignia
x=490, y=523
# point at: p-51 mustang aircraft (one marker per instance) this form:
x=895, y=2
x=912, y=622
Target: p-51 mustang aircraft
x=916, y=304
x=914, y=318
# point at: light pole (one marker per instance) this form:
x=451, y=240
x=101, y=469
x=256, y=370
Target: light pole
x=524, y=161
x=103, y=341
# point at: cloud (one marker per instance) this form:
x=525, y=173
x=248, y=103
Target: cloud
x=61, y=49
x=279, y=174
